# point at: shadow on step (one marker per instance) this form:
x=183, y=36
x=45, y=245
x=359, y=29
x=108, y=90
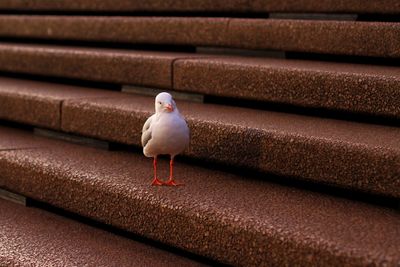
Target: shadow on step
x=344, y=58
x=62, y=80
x=243, y=172
x=306, y=111
x=285, y=181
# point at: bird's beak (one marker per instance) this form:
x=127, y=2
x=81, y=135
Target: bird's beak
x=169, y=107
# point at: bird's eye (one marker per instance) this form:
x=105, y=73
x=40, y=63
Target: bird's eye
x=159, y=102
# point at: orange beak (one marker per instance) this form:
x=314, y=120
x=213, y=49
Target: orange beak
x=169, y=107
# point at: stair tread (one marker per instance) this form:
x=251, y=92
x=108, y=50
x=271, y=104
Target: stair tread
x=297, y=64
x=352, y=155
x=337, y=6
x=147, y=68
x=330, y=37
x=379, y=136
x=376, y=39
x=237, y=220
x=11, y=139
x=34, y=237
x=39, y=103
x=365, y=89
x=136, y=30
x=356, y=6
x=340, y=86
x=347, y=154
x=129, y=5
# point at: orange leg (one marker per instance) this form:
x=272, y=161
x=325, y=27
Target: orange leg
x=155, y=180
x=171, y=181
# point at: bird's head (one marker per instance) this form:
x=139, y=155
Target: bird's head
x=165, y=103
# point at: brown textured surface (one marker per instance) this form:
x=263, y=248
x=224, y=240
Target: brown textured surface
x=334, y=6
x=33, y=237
x=347, y=154
x=38, y=103
x=11, y=139
x=138, y=30
x=379, y=39
x=128, y=5
x=347, y=87
x=108, y=65
x=237, y=220
x=357, y=6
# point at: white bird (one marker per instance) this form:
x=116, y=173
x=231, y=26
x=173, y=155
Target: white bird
x=165, y=133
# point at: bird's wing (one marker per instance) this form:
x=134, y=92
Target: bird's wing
x=146, y=131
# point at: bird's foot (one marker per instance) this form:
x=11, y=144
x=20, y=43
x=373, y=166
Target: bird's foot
x=173, y=183
x=157, y=182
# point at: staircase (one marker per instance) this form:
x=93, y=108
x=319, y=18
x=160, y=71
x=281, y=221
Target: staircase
x=293, y=107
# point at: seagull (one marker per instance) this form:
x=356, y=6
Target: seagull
x=165, y=133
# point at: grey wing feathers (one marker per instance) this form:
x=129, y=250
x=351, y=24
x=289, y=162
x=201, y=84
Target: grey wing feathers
x=146, y=131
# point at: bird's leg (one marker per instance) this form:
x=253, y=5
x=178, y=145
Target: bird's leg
x=171, y=174
x=155, y=180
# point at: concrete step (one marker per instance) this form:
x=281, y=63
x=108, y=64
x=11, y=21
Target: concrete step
x=240, y=6
x=106, y=65
x=351, y=155
x=327, y=37
x=234, y=219
x=374, y=39
x=363, y=89
x=39, y=103
x=34, y=237
x=356, y=88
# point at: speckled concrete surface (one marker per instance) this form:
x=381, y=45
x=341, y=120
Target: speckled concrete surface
x=328, y=6
x=39, y=103
x=107, y=65
x=377, y=39
x=331, y=37
x=237, y=220
x=347, y=87
x=351, y=155
x=346, y=6
x=11, y=139
x=33, y=237
x=129, y=5
x=138, y=30
x=347, y=154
